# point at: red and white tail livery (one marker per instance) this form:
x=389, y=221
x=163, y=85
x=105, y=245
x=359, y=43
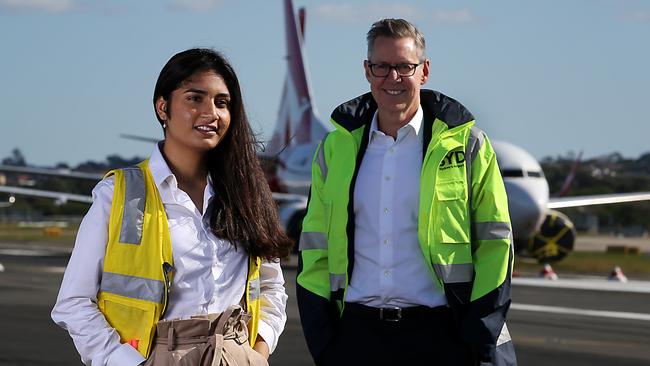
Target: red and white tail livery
x=298, y=130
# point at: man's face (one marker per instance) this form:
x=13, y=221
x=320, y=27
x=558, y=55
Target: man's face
x=394, y=93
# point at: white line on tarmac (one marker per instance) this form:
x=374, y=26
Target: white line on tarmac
x=585, y=284
x=585, y=312
x=31, y=252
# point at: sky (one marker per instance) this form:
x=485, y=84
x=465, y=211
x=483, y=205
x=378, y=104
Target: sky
x=553, y=76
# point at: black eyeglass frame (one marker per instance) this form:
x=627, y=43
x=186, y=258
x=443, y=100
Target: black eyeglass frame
x=393, y=67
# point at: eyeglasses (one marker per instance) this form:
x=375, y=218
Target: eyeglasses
x=403, y=70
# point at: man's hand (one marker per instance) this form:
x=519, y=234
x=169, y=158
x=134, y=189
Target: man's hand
x=261, y=347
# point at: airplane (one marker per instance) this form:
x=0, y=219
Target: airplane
x=538, y=228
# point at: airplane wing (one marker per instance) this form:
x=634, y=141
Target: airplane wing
x=289, y=197
x=64, y=173
x=600, y=199
x=139, y=138
x=59, y=196
x=65, y=197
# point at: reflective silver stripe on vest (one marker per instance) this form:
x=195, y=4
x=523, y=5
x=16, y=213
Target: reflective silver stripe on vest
x=492, y=230
x=254, y=289
x=454, y=273
x=474, y=144
x=133, y=287
x=337, y=282
x=312, y=240
x=320, y=158
x=504, y=336
x=134, y=200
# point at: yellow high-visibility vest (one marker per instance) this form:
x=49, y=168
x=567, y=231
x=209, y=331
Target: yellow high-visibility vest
x=464, y=229
x=138, y=265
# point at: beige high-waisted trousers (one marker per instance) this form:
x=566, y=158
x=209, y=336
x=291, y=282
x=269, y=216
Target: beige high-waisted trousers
x=206, y=340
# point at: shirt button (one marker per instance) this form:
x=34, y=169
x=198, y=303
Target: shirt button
x=392, y=150
x=386, y=210
x=387, y=178
x=386, y=273
x=385, y=241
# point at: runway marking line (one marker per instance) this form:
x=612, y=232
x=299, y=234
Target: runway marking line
x=585, y=284
x=585, y=312
x=572, y=342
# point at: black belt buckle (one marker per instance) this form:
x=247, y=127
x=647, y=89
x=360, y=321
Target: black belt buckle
x=390, y=314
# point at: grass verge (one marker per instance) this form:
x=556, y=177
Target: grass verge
x=12, y=233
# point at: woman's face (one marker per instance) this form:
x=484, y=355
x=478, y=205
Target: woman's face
x=198, y=115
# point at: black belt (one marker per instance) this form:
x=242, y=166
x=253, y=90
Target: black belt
x=395, y=314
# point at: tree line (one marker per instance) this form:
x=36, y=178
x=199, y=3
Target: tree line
x=611, y=173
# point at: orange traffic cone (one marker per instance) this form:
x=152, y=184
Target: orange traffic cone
x=617, y=275
x=548, y=272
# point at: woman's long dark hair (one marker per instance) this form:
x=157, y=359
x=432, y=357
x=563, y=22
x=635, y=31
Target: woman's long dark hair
x=242, y=208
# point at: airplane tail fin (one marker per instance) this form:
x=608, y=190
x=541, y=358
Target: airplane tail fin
x=566, y=186
x=297, y=122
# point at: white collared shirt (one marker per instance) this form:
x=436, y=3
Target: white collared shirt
x=210, y=274
x=389, y=267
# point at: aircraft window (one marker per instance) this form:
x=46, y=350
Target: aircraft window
x=510, y=173
x=536, y=174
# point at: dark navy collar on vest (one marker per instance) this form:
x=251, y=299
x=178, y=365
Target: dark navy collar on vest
x=360, y=110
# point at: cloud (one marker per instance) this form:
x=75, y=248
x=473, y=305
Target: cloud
x=638, y=16
x=48, y=6
x=365, y=13
x=194, y=5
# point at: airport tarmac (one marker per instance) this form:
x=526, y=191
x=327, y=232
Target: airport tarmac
x=550, y=324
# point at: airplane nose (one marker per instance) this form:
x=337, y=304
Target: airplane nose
x=527, y=211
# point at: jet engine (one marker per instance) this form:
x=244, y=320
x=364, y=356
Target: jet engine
x=554, y=239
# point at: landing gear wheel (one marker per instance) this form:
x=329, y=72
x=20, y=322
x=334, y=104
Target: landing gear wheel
x=554, y=240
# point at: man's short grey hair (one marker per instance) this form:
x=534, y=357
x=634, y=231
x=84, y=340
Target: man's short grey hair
x=396, y=28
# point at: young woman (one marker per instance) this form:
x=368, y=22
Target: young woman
x=191, y=231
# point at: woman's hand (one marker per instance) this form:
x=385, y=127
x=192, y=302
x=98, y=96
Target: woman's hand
x=261, y=347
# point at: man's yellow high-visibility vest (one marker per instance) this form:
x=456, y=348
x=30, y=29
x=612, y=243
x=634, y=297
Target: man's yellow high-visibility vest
x=138, y=265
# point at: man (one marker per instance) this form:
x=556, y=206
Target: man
x=405, y=254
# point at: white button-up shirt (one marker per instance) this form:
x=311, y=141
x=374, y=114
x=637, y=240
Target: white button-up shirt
x=389, y=267
x=210, y=274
